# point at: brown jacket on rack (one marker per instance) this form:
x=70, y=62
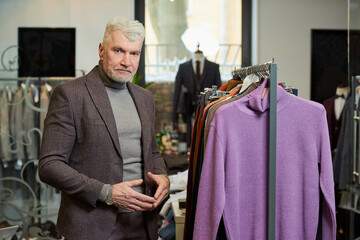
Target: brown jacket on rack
x=81, y=115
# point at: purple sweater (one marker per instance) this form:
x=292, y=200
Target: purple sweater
x=234, y=177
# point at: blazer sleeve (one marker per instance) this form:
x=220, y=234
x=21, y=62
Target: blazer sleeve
x=57, y=145
x=217, y=77
x=178, y=83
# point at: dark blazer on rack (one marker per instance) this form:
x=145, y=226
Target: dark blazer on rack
x=186, y=81
x=85, y=153
x=334, y=124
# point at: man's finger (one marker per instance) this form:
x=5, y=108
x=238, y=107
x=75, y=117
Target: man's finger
x=161, y=197
x=143, y=205
x=143, y=197
x=134, y=183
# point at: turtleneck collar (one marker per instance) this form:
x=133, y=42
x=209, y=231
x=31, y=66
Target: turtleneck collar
x=108, y=82
x=257, y=104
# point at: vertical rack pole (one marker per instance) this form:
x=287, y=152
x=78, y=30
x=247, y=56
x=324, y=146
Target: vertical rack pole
x=272, y=152
x=355, y=127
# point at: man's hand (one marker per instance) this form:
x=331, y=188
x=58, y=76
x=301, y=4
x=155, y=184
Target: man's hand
x=163, y=188
x=127, y=198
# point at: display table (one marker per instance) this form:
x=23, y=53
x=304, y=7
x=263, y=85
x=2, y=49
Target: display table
x=179, y=217
x=175, y=163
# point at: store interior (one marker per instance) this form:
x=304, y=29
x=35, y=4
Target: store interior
x=314, y=46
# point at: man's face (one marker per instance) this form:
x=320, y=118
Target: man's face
x=120, y=57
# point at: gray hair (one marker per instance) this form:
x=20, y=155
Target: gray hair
x=132, y=29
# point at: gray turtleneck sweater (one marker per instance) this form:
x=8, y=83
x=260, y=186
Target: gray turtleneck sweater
x=128, y=128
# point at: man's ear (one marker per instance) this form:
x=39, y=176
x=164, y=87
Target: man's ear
x=101, y=50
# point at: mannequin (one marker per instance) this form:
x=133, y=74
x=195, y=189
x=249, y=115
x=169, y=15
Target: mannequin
x=191, y=79
x=339, y=103
x=198, y=54
x=198, y=58
x=334, y=108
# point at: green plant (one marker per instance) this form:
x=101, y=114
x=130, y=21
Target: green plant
x=137, y=80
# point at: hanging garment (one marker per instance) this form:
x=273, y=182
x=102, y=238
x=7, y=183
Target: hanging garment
x=212, y=110
x=196, y=156
x=234, y=177
x=44, y=103
x=334, y=112
x=232, y=83
x=29, y=124
x=186, y=79
x=203, y=113
x=17, y=128
x=343, y=157
x=188, y=228
x=5, y=124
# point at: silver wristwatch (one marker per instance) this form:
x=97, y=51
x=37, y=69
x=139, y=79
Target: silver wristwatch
x=109, y=198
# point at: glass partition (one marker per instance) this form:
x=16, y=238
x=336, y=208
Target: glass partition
x=349, y=204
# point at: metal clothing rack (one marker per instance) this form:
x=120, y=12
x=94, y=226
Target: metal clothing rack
x=262, y=69
x=27, y=81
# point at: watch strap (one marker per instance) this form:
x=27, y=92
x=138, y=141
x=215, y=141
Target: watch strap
x=109, y=198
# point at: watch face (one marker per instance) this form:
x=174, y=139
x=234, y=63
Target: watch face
x=109, y=201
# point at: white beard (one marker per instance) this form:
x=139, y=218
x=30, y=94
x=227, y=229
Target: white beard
x=115, y=78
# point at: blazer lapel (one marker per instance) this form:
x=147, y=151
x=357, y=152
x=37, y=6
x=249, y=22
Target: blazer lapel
x=101, y=101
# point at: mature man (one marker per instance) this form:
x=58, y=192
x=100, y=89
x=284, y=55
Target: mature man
x=99, y=147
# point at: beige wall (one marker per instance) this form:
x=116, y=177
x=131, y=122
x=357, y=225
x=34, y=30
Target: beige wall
x=88, y=17
x=284, y=31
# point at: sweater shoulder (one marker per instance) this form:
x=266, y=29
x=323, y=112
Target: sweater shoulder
x=312, y=105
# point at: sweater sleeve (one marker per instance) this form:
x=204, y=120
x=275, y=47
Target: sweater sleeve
x=327, y=184
x=211, y=195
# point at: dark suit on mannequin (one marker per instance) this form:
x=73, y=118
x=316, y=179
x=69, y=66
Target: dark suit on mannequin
x=187, y=87
x=81, y=115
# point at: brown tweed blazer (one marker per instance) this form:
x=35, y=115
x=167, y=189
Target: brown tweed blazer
x=80, y=152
